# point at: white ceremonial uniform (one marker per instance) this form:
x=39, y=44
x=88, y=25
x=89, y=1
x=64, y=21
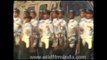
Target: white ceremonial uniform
x=63, y=26
x=47, y=29
x=62, y=30
x=81, y=25
x=40, y=26
x=82, y=21
x=34, y=23
x=72, y=24
x=27, y=33
x=56, y=27
x=41, y=23
x=87, y=35
x=56, y=31
x=17, y=29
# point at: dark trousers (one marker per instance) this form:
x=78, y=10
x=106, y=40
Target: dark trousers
x=16, y=49
x=37, y=41
x=84, y=51
x=23, y=51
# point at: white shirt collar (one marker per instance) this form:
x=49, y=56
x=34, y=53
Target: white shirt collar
x=71, y=19
x=61, y=19
x=55, y=19
x=47, y=19
x=16, y=18
x=89, y=20
x=82, y=19
x=33, y=19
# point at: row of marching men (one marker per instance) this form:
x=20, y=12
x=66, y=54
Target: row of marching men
x=54, y=32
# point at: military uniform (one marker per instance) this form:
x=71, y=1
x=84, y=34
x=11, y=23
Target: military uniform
x=87, y=35
x=72, y=24
x=82, y=21
x=56, y=30
x=62, y=29
x=71, y=33
x=40, y=25
x=81, y=26
x=40, y=30
x=26, y=35
x=47, y=29
x=17, y=29
x=55, y=23
x=34, y=23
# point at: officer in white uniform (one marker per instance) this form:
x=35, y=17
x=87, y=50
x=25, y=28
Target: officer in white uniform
x=34, y=23
x=55, y=23
x=41, y=20
x=17, y=26
x=63, y=27
x=47, y=29
x=40, y=25
x=72, y=25
x=88, y=29
x=82, y=17
x=27, y=31
x=81, y=23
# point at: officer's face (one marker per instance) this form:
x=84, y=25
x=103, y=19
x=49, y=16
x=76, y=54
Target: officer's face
x=71, y=15
x=32, y=15
x=54, y=15
x=60, y=15
x=15, y=14
x=27, y=20
x=88, y=16
x=82, y=14
x=45, y=16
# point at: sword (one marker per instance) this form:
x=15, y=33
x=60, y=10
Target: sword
x=77, y=50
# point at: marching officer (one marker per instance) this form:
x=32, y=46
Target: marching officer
x=27, y=31
x=90, y=48
x=41, y=21
x=88, y=28
x=55, y=26
x=17, y=22
x=87, y=36
x=88, y=25
x=47, y=29
x=82, y=18
x=26, y=38
x=71, y=31
x=34, y=23
x=41, y=48
x=17, y=26
x=40, y=25
x=72, y=24
x=62, y=27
